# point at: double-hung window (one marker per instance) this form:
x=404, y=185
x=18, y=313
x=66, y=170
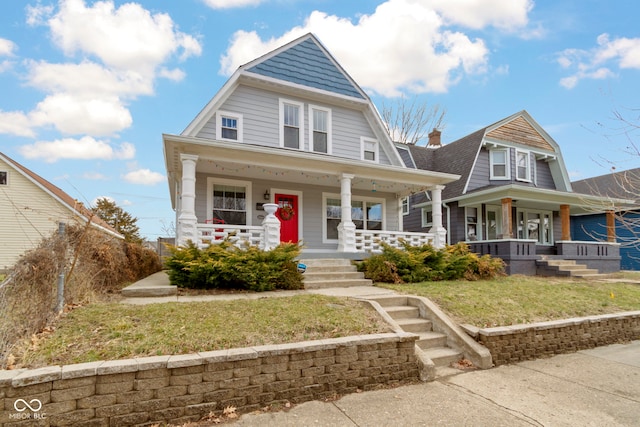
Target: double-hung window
x=499, y=167
x=405, y=205
x=320, y=129
x=229, y=126
x=291, y=124
x=523, y=169
x=229, y=201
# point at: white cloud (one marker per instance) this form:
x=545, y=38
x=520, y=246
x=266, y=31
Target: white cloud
x=229, y=4
x=15, y=123
x=86, y=148
x=7, y=47
x=143, y=177
x=600, y=62
x=507, y=15
x=122, y=52
x=405, y=45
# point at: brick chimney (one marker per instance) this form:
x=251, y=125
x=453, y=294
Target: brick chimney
x=434, y=139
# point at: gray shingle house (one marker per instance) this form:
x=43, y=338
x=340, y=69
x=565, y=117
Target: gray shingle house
x=292, y=128
x=513, y=199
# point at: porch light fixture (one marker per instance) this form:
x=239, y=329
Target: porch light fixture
x=267, y=195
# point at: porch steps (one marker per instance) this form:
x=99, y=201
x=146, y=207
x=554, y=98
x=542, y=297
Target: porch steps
x=566, y=268
x=431, y=343
x=332, y=273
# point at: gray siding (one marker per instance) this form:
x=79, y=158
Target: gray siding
x=261, y=109
x=544, y=177
x=312, y=215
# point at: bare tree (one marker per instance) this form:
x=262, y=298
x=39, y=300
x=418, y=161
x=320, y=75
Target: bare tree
x=410, y=121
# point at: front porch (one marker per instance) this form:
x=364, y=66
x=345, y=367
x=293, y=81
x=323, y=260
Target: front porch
x=524, y=256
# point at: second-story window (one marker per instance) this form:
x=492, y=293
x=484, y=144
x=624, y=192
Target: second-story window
x=3, y=177
x=523, y=169
x=369, y=149
x=320, y=132
x=229, y=126
x=499, y=160
x=291, y=120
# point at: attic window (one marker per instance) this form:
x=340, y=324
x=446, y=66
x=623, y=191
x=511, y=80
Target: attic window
x=229, y=126
x=4, y=175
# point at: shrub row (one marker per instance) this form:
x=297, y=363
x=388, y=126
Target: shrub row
x=412, y=264
x=225, y=265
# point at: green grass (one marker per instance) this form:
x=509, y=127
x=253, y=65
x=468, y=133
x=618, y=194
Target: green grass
x=119, y=331
x=522, y=299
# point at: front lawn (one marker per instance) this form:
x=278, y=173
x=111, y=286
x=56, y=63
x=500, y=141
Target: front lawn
x=119, y=331
x=522, y=299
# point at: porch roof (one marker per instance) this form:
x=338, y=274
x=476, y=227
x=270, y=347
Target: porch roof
x=282, y=164
x=544, y=199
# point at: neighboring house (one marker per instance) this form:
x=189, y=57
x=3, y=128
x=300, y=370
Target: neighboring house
x=31, y=209
x=593, y=225
x=292, y=128
x=513, y=200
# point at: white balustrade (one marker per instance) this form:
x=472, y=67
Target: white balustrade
x=371, y=241
x=212, y=234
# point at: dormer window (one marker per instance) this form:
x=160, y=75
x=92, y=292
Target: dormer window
x=499, y=168
x=229, y=126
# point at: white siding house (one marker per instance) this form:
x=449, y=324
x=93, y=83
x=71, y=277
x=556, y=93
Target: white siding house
x=31, y=209
x=292, y=128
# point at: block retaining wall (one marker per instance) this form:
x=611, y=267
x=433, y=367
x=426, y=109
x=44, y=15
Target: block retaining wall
x=180, y=389
x=510, y=344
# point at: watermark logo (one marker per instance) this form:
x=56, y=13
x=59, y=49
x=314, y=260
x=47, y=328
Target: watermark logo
x=34, y=406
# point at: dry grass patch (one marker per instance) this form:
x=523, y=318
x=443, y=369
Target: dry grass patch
x=118, y=331
x=523, y=299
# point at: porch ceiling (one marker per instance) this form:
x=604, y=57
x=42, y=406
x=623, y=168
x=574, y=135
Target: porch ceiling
x=278, y=164
x=543, y=199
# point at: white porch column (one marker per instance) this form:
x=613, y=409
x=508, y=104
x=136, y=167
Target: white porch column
x=187, y=221
x=346, y=228
x=439, y=232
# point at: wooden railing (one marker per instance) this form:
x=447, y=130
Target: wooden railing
x=370, y=241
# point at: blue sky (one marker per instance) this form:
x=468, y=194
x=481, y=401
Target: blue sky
x=88, y=88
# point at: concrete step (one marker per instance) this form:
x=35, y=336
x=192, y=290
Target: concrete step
x=443, y=356
x=330, y=268
x=403, y=312
x=430, y=340
x=322, y=284
x=329, y=276
x=415, y=325
x=326, y=262
x=391, y=300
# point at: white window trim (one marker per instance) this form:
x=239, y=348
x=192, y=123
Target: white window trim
x=405, y=204
x=237, y=116
x=326, y=196
x=311, y=130
x=363, y=141
x=424, y=219
x=507, y=169
x=528, y=154
x=300, y=105
x=224, y=181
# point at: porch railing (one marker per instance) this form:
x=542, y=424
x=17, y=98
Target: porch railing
x=211, y=234
x=371, y=241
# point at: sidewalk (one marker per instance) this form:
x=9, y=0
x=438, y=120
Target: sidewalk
x=598, y=387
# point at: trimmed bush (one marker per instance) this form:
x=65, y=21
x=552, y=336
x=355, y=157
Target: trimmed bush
x=412, y=264
x=226, y=266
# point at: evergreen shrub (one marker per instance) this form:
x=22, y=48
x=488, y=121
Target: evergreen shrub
x=412, y=264
x=227, y=266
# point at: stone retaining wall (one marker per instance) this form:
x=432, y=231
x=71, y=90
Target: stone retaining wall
x=179, y=389
x=510, y=344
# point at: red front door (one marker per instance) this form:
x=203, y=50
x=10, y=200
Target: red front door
x=287, y=213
